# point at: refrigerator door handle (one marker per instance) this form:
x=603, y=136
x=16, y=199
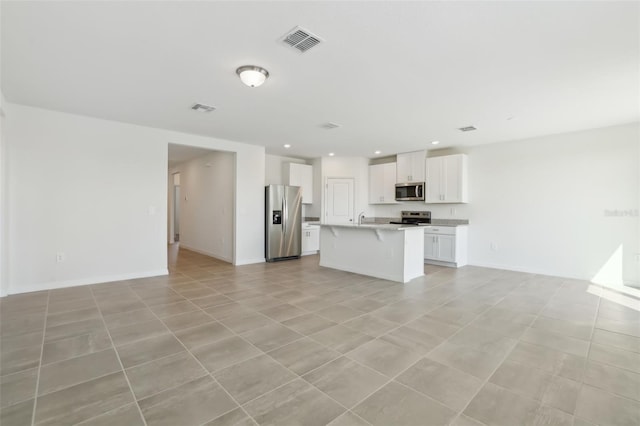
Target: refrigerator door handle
x=284, y=215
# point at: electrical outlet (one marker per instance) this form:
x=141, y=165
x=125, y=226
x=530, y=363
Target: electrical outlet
x=494, y=246
x=60, y=257
x=453, y=211
x=637, y=257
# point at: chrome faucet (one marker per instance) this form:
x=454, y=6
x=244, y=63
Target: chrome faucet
x=360, y=217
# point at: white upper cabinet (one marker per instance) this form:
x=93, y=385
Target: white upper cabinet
x=447, y=179
x=410, y=167
x=382, y=183
x=300, y=175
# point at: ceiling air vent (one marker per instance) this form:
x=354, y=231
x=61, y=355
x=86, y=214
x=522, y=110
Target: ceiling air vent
x=301, y=39
x=202, y=108
x=467, y=128
x=330, y=125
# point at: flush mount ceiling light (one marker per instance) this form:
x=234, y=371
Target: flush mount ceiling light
x=252, y=75
x=377, y=152
x=435, y=142
x=331, y=154
x=286, y=145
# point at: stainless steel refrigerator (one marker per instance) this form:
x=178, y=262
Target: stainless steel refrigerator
x=283, y=226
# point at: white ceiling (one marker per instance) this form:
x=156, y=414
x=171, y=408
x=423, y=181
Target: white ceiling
x=396, y=75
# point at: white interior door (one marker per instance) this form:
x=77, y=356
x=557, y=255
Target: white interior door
x=339, y=201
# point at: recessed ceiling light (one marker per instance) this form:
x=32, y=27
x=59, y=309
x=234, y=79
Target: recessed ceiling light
x=377, y=152
x=435, y=142
x=286, y=145
x=331, y=154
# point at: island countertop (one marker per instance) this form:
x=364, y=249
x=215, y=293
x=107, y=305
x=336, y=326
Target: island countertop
x=374, y=226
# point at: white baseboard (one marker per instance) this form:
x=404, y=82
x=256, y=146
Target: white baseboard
x=86, y=281
x=207, y=253
x=249, y=261
x=524, y=269
x=540, y=272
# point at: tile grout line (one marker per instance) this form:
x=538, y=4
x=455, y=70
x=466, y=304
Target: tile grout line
x=194, y=358
x=375, y=338
x=393, y=378
x=303, y=336
x=507, y=355
x=448, y=301
x=215, y=320
x=588, y=357
x=44, y=333
x=113, y=346
x=262, y=354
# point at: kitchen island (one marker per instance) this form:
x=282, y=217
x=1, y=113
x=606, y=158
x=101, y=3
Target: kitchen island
x=391, y=252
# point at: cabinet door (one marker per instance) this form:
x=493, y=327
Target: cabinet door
x=389, y=183
x=434, y=179
x=302, y=175
x=382, y=183
x=450, y=179
x=305, y=240
x=446, y=248
x=314, y=239
x=410, y=167
x=376, y=184
x=417, y=166
x=447, y=179
x=430, y=246
x=403, y=171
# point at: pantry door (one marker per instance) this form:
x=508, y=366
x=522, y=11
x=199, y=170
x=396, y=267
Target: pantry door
x=339, y=201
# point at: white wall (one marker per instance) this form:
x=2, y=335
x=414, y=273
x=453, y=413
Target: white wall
x=315, y=209
x=274, y=165
x=4, y=271
x=90, y=189
x=4, y=208
x=206, y=204
x=84, y=186
x=542, y=202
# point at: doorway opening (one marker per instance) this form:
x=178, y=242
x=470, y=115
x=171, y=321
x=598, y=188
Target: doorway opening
x=201, y=200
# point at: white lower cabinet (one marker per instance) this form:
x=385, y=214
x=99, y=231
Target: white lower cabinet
x=445, y=245
x=310, y=239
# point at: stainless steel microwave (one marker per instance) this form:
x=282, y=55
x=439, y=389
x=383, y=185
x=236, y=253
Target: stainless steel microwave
x=412, y=191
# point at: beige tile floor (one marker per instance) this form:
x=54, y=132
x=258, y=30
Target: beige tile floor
x=292, y=343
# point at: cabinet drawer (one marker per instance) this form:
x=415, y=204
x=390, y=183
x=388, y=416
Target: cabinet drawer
x=440, y=230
